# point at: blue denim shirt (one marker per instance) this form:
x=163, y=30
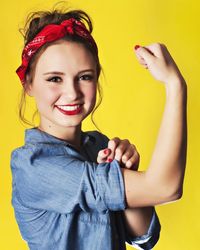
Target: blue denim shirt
x=64, y=200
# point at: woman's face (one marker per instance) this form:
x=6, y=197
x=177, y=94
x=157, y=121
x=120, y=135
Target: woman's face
x=64, y=84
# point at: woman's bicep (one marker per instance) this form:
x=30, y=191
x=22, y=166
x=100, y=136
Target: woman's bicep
x=141, y=190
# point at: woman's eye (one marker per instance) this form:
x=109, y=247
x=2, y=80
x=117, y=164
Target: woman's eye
x=54, y=79
x=86, y=78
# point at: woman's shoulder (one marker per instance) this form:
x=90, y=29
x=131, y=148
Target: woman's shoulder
x=23, y=152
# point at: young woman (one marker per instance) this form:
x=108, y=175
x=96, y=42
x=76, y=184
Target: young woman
x=75, y=189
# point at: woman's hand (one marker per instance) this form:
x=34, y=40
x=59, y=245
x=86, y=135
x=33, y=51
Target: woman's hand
x=158, y=60
x=122, y=151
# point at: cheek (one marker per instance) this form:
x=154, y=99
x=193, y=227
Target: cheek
x=90, y=93
x=46, y=97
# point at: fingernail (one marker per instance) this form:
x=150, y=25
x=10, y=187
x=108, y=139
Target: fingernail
x=137, y=47
x=109, y=160
x=106, y=151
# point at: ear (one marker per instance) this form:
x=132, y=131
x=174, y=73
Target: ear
x=28, y=89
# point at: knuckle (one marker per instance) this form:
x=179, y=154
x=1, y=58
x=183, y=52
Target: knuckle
x=124, y=157
x=116, y=139
x=111, y=143
x=136, y=153
x=128, y=164
x=158, y=45
x=132, y=149
x=153, y=45
x=163, y=45
x=133, y=146
x=118, y=151
x=133, y=159
x=126, y=141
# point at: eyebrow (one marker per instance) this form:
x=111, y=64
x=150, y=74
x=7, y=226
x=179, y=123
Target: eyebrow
x=62, y=73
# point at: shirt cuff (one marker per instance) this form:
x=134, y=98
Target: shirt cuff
x=111, y=185
x=148, y=240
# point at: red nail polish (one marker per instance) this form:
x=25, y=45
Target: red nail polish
x=105, y=151
x=137, y=47
x=109, y=159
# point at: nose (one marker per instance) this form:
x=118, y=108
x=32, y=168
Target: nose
x=71, y=91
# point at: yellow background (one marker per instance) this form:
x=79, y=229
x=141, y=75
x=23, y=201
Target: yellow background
x=133, y=101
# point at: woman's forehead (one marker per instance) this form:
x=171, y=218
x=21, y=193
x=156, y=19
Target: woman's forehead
x=66, y=55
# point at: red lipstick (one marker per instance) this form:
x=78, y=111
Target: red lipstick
x=70, y=112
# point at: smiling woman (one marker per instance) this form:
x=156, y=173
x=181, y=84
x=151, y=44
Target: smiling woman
x=64, y=87
x=55, y=34
x=80, y=190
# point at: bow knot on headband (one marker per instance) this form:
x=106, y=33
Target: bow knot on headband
x=50, y=33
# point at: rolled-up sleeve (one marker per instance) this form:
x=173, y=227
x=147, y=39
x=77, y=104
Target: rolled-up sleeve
x=147, y=241
x=65, y=183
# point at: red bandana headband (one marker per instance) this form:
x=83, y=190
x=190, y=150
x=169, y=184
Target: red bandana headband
x=50, y=33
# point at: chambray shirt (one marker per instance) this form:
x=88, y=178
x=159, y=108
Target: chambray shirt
x=64, y=200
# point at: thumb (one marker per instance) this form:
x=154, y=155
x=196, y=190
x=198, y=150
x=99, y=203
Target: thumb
x=145, y=54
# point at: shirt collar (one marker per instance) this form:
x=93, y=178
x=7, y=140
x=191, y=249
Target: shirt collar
x=34, y=135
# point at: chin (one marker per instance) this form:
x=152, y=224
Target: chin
x=69, y=123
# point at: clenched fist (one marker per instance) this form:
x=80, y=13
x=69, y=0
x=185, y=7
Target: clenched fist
x=122, y=151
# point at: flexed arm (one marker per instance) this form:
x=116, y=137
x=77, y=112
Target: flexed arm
x=163, y=180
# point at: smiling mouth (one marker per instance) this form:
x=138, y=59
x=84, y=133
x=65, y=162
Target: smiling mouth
x=70, y=109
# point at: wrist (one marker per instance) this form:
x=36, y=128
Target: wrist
x=176, y=85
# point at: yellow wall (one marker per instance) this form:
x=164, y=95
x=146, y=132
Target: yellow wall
x=133, y=101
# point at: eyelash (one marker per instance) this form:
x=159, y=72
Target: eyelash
x=54, y=77
x=86, y=77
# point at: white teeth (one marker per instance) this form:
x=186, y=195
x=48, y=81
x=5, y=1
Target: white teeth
x=69, y=108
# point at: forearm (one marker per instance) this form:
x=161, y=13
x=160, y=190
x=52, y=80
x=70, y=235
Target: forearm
x=138, y=220
x=167, y=166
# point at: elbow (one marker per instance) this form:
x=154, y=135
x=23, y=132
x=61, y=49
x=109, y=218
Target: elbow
x=173, y=195
x=176, y=195
x=171, y=190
